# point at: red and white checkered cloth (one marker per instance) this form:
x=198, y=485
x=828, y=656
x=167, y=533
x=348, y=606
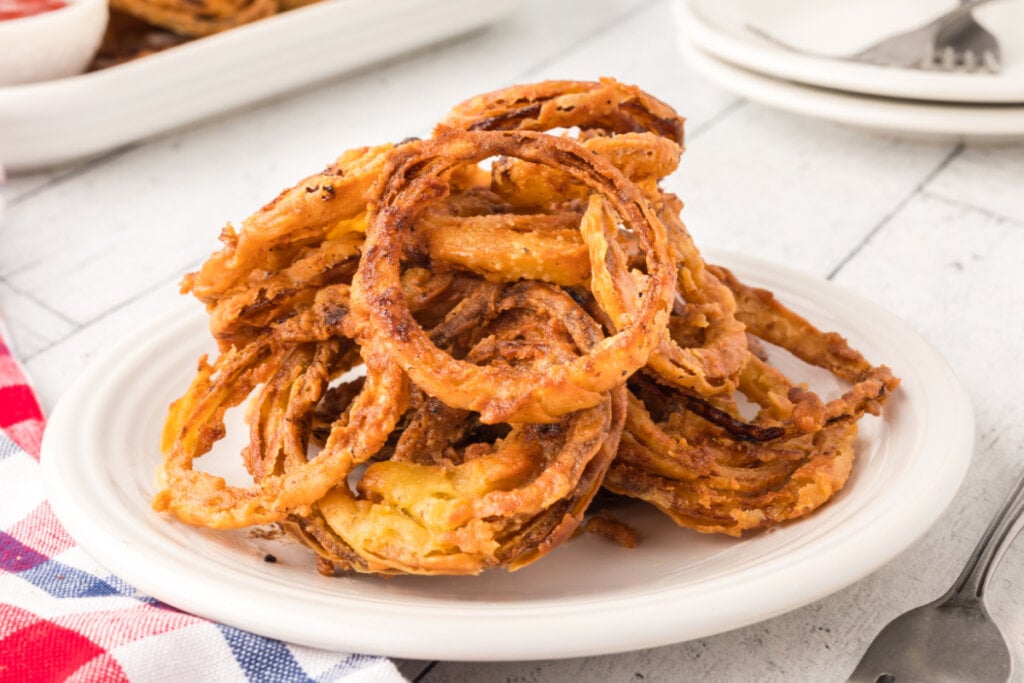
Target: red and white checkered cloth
x=63, y=618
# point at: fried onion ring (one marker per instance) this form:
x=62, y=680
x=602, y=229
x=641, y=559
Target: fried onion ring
x=414, y=175
x=602, y=105
x=712, y=364
x=197, y=420
x=715, y=473
x=443, y=361
x=448, y=500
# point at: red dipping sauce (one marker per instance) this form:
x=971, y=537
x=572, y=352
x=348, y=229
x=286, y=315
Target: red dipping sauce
x=16, y=9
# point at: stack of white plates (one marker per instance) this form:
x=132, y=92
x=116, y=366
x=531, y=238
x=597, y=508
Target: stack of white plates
x=723, y=40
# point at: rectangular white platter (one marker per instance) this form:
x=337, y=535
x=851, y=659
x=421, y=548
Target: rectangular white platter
x=54, y=122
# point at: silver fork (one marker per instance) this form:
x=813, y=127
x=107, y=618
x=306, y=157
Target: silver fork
x=966, y=44
x=953, y=638
x=939, y=44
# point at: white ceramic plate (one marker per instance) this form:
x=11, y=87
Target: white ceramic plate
x=587, y=597
x=836, y=28
x=979, y=122
x=43, y=124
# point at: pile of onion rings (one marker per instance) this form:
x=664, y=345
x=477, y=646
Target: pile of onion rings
x=448, y=346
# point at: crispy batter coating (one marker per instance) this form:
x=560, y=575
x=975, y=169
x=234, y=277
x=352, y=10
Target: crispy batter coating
x=605, y=105
x=458, y=496
x=415, y=174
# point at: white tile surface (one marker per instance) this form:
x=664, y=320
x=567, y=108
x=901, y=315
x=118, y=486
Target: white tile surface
x=988, y=177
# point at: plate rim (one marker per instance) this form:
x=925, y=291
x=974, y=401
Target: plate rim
x=916, y=119
x=374, y=632
x=927, y=87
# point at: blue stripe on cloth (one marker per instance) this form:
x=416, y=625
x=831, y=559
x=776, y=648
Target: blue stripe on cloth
x=7, y=447
x=263, y=659
x=16, y=557
x=63, y=581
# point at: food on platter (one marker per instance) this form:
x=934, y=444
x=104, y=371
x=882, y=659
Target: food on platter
x=139, y=28
x=47, y=39
x=790, y=459
x=128, y=38
x=196, y=17
x=42, y=40
x=612, y=528
x=447, y=347
x=535, y=392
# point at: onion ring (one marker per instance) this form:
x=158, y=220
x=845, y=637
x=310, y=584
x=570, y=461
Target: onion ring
x=708, y=470
x=414, y=175
x=446, y=502
x=196, y=420
x=713, y=364
x=531, y=331
x=602, y=105
x=322, y=206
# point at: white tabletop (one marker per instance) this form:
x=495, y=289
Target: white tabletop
x=933, y=231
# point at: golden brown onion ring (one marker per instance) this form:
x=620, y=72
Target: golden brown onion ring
x=458, y=497
x=602, y=105
x=415, y=176
x=727, y=475
x=710, y=364
x=644, y=158
x=505, y=507
x=322, y=206
x=197, y=420
x=709, y=367
x=770, y=320
x=745, y=487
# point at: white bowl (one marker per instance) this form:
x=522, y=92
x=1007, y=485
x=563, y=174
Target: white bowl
x=51, y=44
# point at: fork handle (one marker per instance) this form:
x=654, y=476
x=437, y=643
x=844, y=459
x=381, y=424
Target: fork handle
x=1001, y=531
x=963, y=9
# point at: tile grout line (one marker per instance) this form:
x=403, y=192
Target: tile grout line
x=725, y=113
x=61, y=177
x=887, y=218
x=22, y=267
x=423, y=674
x=950, y=201
x=78, y=327
x=38, y=302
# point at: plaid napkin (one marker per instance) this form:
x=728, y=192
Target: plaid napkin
x=63, y=618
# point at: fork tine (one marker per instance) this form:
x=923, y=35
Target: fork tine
x=991, y=61
x=948, y=59
x=954, y=41
x=970, y=59
x=929, y=58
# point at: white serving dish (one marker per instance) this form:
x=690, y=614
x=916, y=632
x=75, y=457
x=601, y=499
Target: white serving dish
x=978, y=123
x=49, y=123
x=824, y=28
x=52, y=44
x=588, y=597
